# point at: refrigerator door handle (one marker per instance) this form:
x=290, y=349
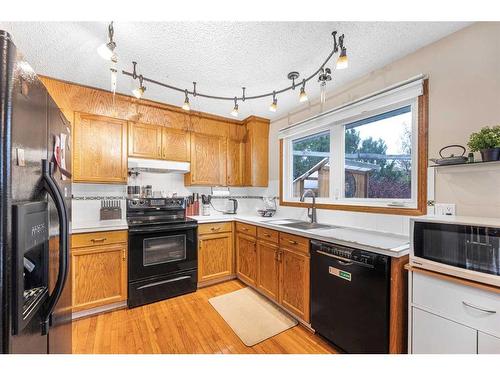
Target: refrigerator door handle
x=51, y=186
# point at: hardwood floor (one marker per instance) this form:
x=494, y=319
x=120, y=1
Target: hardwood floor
x=186, y=324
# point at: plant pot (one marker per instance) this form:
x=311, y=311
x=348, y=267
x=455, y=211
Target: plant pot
x=490, y=154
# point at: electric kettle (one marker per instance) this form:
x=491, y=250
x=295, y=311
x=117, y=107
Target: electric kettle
x=232, y=206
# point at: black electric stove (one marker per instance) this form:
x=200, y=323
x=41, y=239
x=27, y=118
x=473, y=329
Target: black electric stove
x=162, y=250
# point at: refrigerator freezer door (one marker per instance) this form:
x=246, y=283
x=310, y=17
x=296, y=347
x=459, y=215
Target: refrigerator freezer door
x=60, y=329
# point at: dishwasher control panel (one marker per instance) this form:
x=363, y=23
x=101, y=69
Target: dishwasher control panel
x=346, y=253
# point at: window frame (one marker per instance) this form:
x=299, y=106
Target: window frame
x=417, y=205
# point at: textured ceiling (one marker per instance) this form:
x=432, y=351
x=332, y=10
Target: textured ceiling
x=220, y=56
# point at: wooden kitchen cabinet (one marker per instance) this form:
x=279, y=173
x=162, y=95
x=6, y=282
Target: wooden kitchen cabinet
x=246, y=258
x=235, y=163
x=99, y=149
x=99, y=270
x=208, y=160
x=257, y=152
x=144, y=140
x=215, y=252
x=176, y=144
x=294, y=276
x=268, y=269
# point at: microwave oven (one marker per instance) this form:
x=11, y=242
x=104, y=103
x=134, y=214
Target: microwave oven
x=464, y=247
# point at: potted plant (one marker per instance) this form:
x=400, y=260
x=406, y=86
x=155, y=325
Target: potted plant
x=486, y=141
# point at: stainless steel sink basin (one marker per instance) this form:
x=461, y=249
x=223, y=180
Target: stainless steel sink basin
x=307, y=225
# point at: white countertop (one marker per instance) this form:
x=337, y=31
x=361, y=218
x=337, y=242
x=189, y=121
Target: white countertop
x=99, y=226
x=390, y=244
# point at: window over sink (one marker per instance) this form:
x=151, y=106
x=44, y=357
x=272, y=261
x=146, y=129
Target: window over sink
x=368, y=156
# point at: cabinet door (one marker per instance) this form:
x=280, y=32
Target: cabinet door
x=432, y=334
x=294, y=293
x=208, y=160
x=144, y=140
x=246, y=259
x=257, y=152
x=176, y=144
x=99, y=276
x=487, y=344
x=99, y=149
x=215, y=256
x=268, y=269
x=235, y=162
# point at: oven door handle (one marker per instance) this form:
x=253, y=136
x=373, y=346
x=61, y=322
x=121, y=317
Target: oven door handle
x=169, y=228
x=163, y=282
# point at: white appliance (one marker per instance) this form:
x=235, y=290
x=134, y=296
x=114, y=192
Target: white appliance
x=465, y=247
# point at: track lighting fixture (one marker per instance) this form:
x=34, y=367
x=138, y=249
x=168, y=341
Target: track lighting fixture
x=235, y=111
x=274, y=105
x=303, y=96
x=324, y=75
x=186, y=105
x=342, y=61
x=107, y=50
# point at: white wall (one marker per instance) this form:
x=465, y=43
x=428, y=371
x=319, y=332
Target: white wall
x=464, y=95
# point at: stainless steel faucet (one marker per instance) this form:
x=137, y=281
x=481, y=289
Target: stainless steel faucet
x=311, y=211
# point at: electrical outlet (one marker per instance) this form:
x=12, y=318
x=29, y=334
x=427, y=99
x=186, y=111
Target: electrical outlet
x=444, y=209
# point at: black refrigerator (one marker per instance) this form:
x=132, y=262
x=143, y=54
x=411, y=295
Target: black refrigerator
x=35, y=212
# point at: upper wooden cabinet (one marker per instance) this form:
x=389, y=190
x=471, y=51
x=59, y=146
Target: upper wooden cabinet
x=257, y=152
x=144, y=140
x=99, y=149
x=176, y=144
x=208, y=160
x=158, y=142
x=235, y=163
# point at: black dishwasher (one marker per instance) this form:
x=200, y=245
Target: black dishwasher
x=350, y=297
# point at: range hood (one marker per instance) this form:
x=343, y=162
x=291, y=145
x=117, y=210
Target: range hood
x=157, y=166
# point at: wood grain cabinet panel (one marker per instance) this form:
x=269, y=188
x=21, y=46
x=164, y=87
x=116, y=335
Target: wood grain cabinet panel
x=268, y=270
x=99, y=149
x=215, y=256
x=246, y=258
x=176, y=144
x=294, y=292
x=257, y=152
x=235, y=163
x=99, y=276
x=144, y=140
x=208, y=160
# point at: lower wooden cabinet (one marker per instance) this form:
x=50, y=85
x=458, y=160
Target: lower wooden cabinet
x=99, y=271
x=268, y=269
x=215, y=254
x=246, y=258
x=294, y=285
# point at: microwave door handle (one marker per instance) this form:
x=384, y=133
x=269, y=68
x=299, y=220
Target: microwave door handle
x=51, y=186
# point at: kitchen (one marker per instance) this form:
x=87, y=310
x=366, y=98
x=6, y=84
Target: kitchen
x=346, y=204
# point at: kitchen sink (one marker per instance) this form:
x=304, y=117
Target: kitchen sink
x=307, y=225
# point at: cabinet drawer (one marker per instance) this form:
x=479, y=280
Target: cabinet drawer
x=471, y=306
x=211, y=228
x=251, y=230
x=294, y=242
x=98, y=238
x=268, y=235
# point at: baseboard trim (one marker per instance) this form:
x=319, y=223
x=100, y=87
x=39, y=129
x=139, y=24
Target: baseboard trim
x=98, y=310
x=204, y=284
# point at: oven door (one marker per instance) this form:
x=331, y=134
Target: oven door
x=156, y=251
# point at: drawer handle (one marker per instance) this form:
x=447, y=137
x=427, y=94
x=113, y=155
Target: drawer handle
x=245, y=229
x=293, y=242
x=214, y=229
x=267, y=235
x=98, y=239
x=479, y=308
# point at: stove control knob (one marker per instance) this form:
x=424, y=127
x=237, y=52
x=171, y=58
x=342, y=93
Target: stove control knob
x=133, y=203
x=141, y=202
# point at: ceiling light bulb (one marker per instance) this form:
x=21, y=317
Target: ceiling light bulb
x=235, y=111
x=105, y=50
x=186, y=105
x=138, y=92
x=342, y=61
x=274, y=105
x=303, y=95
